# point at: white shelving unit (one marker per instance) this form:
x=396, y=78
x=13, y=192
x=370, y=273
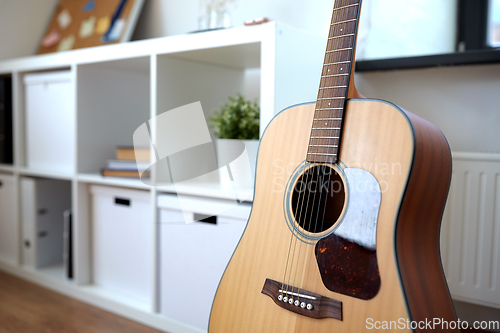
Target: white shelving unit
x=116, y=89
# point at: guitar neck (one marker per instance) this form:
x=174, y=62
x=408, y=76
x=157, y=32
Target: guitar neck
x=338, y=67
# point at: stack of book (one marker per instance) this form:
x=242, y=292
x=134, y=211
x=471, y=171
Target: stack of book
x=128, y=162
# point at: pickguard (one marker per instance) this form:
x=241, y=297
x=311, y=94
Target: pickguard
x=347, y=258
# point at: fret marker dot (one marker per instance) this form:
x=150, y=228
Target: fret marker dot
x=341, y=69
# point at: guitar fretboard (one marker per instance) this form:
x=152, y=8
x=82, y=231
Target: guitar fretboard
x=339, y=58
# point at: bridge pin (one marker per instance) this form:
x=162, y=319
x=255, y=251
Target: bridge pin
x=297, y=302
x=280, y=297
x=285, y=299
x=303, y=305
x=290, y=301
x=309, y=306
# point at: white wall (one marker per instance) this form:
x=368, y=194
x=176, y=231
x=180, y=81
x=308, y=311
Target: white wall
x=164, y=18
x=463, y=101
x=22, y=25
x=389, y=28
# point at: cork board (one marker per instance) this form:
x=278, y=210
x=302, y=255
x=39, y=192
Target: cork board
x=77, y=24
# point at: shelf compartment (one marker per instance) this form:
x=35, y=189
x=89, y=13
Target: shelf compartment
x=185, y=81
x=113, y=101
x=43, y=205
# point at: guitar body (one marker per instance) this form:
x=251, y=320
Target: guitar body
x=410, y=160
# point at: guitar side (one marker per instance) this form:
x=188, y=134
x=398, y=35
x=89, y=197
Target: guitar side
x=400, y=150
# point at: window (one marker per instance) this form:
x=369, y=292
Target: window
x=494, y=24
x=478, y=24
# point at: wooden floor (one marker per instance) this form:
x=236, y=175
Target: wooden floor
x=25, y=307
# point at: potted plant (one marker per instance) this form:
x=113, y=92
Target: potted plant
x=236, y=124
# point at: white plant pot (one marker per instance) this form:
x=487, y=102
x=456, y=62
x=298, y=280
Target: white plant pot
x=237, y=159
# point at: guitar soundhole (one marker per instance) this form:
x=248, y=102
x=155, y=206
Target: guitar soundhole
x=318, y=198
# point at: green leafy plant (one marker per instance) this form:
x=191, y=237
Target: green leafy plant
x=237, y=119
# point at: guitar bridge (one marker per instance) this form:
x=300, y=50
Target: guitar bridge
x=301, y=301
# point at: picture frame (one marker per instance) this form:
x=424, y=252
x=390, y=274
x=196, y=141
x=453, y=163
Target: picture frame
x=78, y=24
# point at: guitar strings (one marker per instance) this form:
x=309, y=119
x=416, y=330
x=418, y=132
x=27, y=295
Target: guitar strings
x=306, y=233
x=303, y=215
x=320, y=256
x=294, y=235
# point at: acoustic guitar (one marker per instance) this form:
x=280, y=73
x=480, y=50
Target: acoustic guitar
x=344, y=231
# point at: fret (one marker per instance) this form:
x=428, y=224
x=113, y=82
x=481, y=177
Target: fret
x=333, y=75
x=334, y=106
x=348, y=35
x=354, y=4
x=338, y=62
x=331, y=146
x=324, y=137
x=343, y=67
x=344, y=14
x=342, y=22
x=340, y=43
x=326, y=98
x=338, y=30
x=334, y=87
x=326, y=114
x=340, y=3
x=335, y=80
x=326, y=128
x=321, y=154
x=332, y=51
x=327, y=119
x=338, y=56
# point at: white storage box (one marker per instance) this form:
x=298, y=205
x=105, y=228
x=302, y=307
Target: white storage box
x=43, y=202
x=50, y=121
x=194, y=256
x=123, y=243
x=8, y=225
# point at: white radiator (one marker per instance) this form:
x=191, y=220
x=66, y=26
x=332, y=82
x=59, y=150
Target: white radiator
x=470, y=234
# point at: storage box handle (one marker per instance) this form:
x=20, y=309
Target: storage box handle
x=122, y=202
x=205, y=218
